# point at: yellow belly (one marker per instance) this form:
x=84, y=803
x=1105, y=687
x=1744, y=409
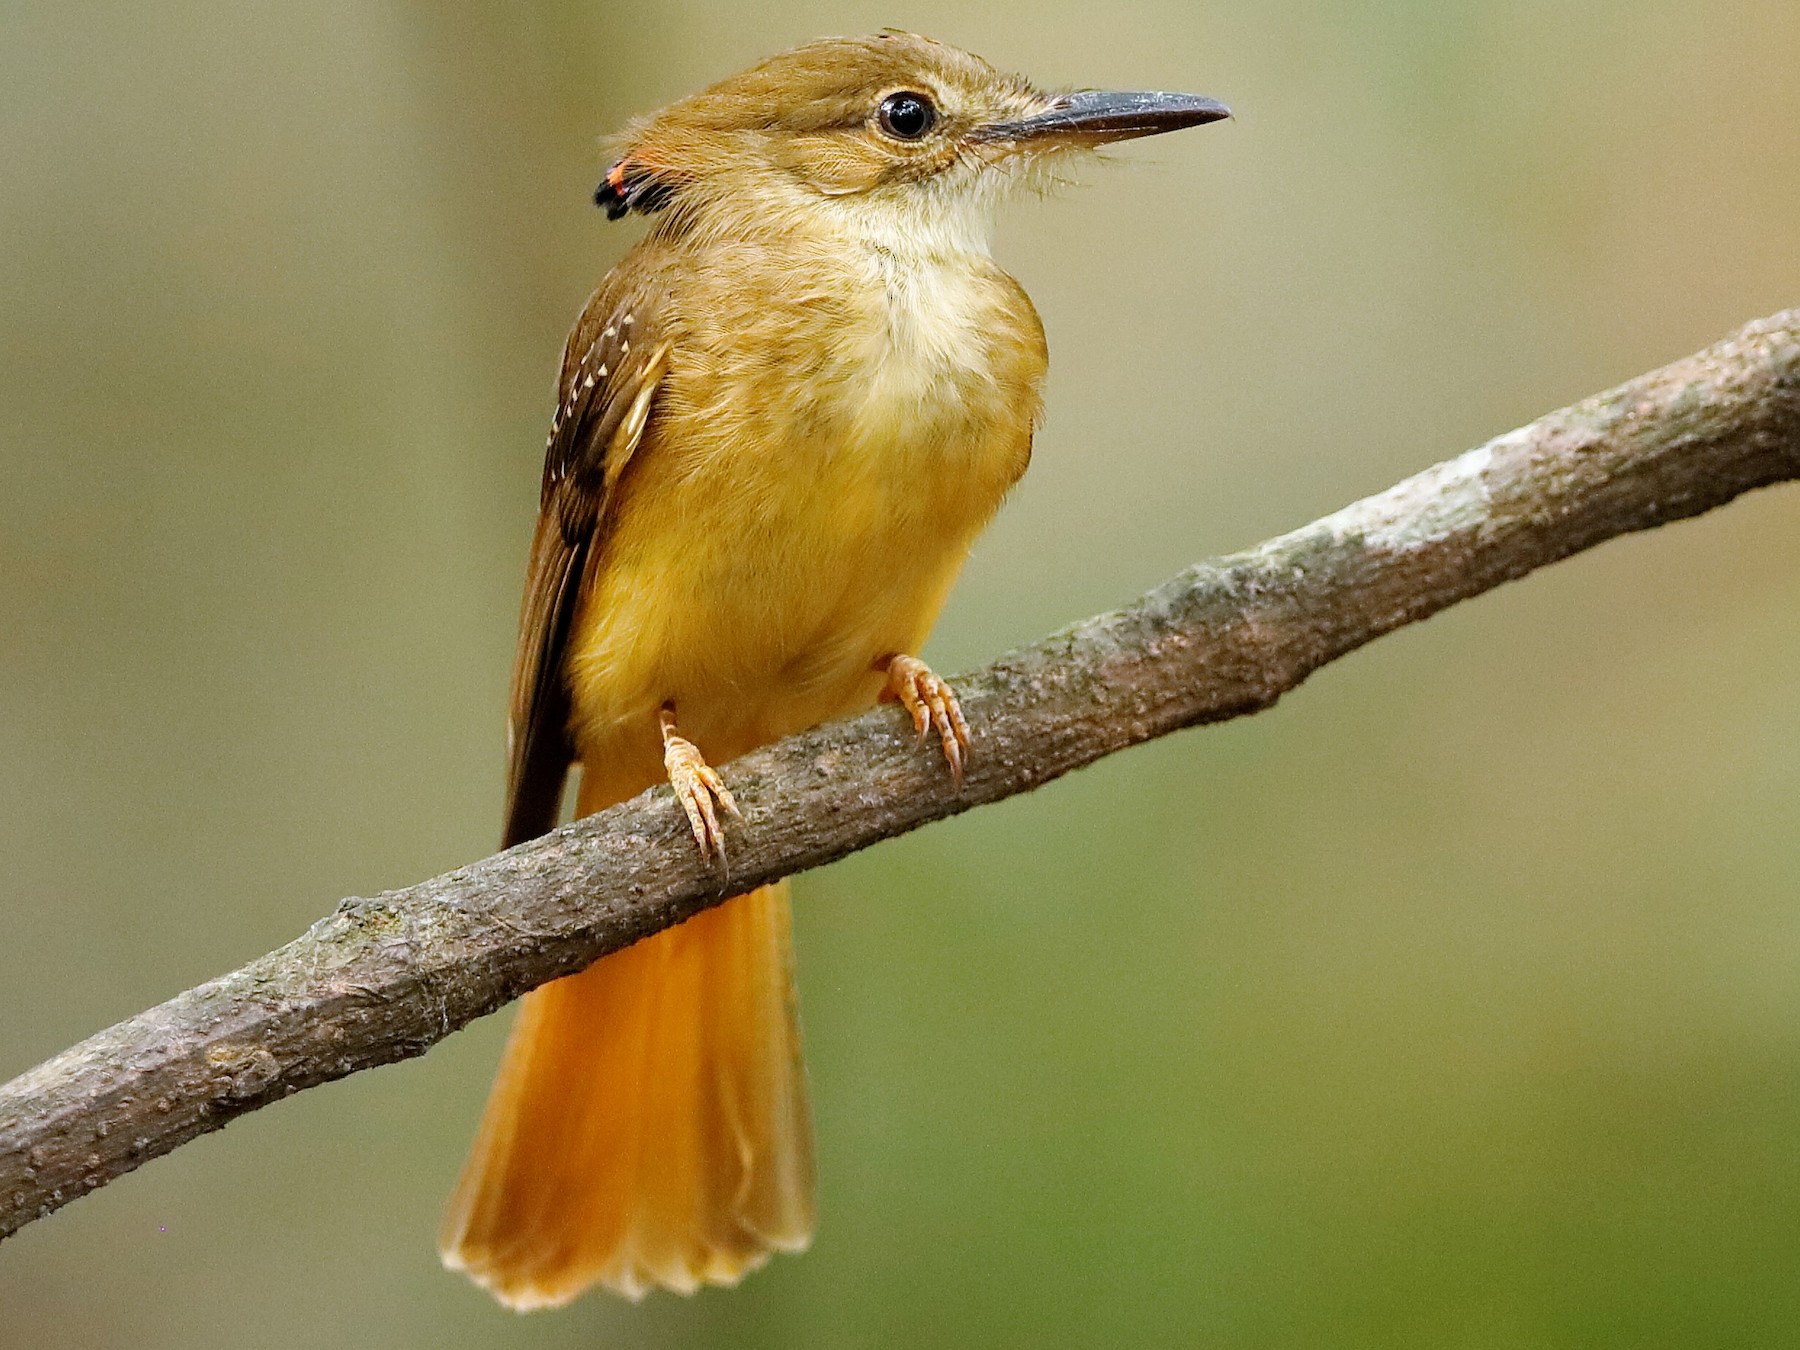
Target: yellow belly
x=755, y=586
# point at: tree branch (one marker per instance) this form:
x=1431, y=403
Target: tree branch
x=383, y=979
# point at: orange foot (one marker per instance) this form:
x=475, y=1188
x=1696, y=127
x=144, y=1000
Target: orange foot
x=697, y=787
x=932, y=703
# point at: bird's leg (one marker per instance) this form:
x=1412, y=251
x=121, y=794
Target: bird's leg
x=697, y=787
x=914, y=686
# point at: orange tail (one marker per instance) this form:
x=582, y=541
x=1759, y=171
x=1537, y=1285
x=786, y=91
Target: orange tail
x=649, y=1126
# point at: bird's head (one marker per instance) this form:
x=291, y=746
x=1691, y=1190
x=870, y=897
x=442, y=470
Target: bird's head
x=895, y=126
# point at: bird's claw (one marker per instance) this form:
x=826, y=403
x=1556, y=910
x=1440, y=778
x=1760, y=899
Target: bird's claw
x=932, y=704
x=701, y=792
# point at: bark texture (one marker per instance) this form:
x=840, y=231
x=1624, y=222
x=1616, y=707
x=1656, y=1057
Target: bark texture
x=381, y=979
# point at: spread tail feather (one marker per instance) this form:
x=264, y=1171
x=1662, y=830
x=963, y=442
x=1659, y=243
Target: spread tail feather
x=649, y=1126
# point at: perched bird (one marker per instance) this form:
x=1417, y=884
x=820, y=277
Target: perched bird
x=782, y=419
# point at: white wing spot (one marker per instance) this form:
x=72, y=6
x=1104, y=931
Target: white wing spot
x=603, y=372
x=588, y=383
x=609, y=332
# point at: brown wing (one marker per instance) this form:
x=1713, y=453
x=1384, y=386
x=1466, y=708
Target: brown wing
x=613, y=365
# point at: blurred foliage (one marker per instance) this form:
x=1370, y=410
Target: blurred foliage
x=1456, y=1002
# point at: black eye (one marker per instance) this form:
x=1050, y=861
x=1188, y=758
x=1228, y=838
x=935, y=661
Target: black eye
x=906, y=116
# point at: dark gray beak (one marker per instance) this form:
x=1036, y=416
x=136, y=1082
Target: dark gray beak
x=1096, y=116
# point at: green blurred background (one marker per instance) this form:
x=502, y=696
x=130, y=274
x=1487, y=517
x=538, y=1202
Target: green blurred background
x=1454, y=1003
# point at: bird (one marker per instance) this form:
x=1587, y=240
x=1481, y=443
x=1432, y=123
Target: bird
x=781, y=421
